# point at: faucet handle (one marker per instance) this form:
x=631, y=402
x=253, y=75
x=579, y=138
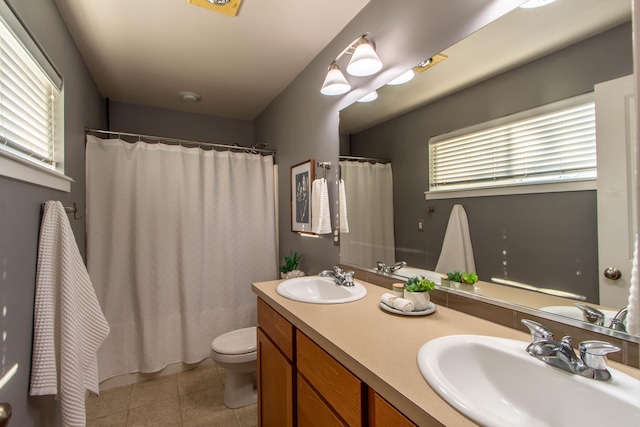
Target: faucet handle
x=591, y=314
x=593, y=353
x=348, y=278
x=538, y=332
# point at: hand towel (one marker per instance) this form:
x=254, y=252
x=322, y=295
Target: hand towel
x=633, y=313
x=393, y=301
x=457, y=252
x=68, y=322
x=344, y=221
x=320, y=214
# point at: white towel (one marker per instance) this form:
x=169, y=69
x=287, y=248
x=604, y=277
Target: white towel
x=457, y=252
x=633, y=314
x=68, y=323
x=393, y=301
x=344, y=221
x=320, y=215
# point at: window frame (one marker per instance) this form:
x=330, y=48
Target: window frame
x=13, y=166
x=579, y=184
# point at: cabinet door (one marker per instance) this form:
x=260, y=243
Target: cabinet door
x=382, y=414
x=312, y=410
x=275, y=385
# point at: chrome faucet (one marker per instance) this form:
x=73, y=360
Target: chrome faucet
x=590, y=363
x=341, y=277
x=596, y=317
x=390, y=269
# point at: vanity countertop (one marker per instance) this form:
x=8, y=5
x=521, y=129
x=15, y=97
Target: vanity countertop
x=381, y=348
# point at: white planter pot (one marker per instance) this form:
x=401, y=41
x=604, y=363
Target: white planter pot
x=291, y=274
x=420, y=300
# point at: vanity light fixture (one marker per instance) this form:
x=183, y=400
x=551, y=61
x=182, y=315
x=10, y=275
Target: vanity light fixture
x=531, y=4
x=370, y=97
x=364, y=62
x=226, y=7
x=403, y=78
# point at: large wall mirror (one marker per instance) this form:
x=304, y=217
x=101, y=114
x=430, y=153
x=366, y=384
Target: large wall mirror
x=548, y=239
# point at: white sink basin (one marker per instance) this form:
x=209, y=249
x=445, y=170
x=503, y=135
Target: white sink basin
x=320, y=290
x=495, y=382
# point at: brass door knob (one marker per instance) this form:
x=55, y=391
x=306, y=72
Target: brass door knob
x=5, y=414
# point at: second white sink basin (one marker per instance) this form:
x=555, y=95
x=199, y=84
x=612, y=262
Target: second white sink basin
x=320, y=290
x=495, y=382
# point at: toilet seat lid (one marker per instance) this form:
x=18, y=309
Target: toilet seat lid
x=240, y=341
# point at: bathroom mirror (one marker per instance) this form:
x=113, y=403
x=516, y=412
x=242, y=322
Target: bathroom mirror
x=528, y=58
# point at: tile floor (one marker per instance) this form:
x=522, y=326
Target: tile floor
x=186, y=399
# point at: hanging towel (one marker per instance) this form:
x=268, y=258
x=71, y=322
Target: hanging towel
x=457, y=252
x=320, y=215
x=633, y=313
x=68, y=323
x=344, y=221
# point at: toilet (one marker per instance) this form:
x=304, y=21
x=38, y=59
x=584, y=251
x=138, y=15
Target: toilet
x=236, y=351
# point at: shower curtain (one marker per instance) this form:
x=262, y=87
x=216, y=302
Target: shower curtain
x=369, y=198
x=175, y=237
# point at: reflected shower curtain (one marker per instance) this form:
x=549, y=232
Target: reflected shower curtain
x=369, y=196
x=175, y=237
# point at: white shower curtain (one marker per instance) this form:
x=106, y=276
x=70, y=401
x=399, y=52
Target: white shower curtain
x=175, y=237
x=369, y=198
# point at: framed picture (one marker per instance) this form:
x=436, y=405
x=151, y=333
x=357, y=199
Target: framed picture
x=302, y=176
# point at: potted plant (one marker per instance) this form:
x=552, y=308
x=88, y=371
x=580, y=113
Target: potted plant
x=416, y=290
x=290, y=268
x=467, y=281
x=452, y=276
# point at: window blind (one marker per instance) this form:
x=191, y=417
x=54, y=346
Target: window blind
x=27, y=102
x=542, y=148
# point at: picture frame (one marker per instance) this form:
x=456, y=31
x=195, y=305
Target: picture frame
x=302, y=175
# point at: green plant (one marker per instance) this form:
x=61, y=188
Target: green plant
x=469, y=278
x=419, y=284
x=291, y=261
x=454, y=276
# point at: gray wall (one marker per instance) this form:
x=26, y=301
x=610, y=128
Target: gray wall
x=20, y=210
x=144, y=120
x=541, y=232
x=303, y=124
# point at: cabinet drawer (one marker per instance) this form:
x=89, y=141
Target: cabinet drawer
x=312, y=411
x=277, y=327
x=339, y=387
x=382, y=414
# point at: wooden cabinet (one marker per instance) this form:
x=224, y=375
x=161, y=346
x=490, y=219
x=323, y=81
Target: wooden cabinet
x=300, y=384
x=275, y=373
x=382, y=414
x=312, y=409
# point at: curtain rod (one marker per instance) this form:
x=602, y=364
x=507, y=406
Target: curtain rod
x=370, y=159
x=161, y=139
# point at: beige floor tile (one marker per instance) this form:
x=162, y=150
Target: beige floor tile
x=165, y=413
x=247, y=416
x=155, y=390
x=205, y=408
x=108, y=403
x=115, y=420
x=223, y=374
x=198, y=379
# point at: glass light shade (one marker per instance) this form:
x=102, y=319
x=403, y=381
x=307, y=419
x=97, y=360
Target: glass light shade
x=536, y=3
x=402, y=78
x=335, y=83
x=370, y=97
x=364, y=61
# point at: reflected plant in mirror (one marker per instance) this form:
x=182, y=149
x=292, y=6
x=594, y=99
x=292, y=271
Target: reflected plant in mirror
x=550, y=241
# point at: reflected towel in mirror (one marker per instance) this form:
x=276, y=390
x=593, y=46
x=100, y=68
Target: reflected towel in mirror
x=457, y=252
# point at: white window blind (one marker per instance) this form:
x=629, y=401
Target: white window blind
x=27, y=102
x=554, y=143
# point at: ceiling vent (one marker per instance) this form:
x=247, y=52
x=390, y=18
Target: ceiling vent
x=226, y=7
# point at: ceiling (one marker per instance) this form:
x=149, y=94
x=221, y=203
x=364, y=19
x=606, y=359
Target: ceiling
x=147, y=51
x=515, y=39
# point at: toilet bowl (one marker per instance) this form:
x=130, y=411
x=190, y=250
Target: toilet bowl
x=236, y=351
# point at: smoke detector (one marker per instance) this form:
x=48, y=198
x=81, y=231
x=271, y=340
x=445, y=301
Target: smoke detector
x=190, y=96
